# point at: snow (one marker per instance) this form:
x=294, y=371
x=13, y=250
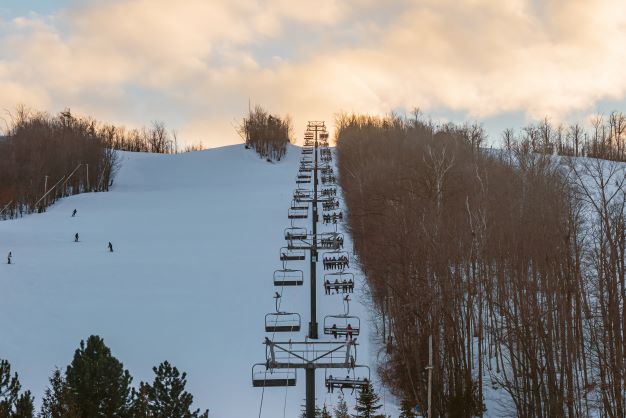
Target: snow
x=196, y=239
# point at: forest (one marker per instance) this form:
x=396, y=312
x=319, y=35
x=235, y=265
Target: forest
x=512, y=261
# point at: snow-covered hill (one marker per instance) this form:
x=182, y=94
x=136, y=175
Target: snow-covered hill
x=196, y=239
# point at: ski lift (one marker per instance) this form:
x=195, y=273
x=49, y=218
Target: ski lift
x=328, y=179
x=331, y=204
x=344, y=325
x=330, y=241
x=300, y=195
x=262, y=376
x=336, y=260
x=328, y=191
x=303, y=179
x=282, y=321
x=289, y=277
x=298, y=213
x=358, y=378
x=338, y=281
x=291, y=254
x=299, y=206
x=294, y=233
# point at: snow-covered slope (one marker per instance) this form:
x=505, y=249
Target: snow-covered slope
x=196, y=239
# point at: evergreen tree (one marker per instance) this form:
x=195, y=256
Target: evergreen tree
x=324, y=413
x=367, y=404
x=12, y=403
x=166, y=397
x=341, y=410
x=96, y=382
x=56, y=402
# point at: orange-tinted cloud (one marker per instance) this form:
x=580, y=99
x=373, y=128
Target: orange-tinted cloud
x=194, y=64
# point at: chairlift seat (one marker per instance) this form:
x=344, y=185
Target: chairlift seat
x=262, y=377
x=289, y=277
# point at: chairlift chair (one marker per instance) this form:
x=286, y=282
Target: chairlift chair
x=298, y=213
x=288, y=254
x=337, y=325
x=262, y=376
x=295, y=233
x=337, y=263
x=337, y=281
x=331, y=240
x=282, y=322
x=299, y=206
x=359, y=378
x=288, y=277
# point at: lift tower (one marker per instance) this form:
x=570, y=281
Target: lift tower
x=283, y=358
x=316, y=127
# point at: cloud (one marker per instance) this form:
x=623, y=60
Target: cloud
x=195, y=64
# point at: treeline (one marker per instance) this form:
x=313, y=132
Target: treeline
x=605, y=138
x=96, y=384
x=156, y=139
x=267, y=134
x=512, y=263
x=44, y=158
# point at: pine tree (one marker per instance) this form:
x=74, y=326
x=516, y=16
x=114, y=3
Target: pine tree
x=56, y=402
x=166, y=397
x=96, y=382
x=324, y=413
x=12, y=403
x=341, y=410
x=367, y=404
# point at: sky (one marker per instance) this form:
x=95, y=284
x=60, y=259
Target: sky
x=197, y=64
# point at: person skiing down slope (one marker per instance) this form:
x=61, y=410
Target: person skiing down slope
x=74, y=213
x=110, y=247
x=9, y=258
x=76, y=237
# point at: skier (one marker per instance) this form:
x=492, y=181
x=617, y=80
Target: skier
x=9, y=258
x=76, y=237
x=74, y=213
x=110, y=247
x=333, y=330
x=349, y=332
